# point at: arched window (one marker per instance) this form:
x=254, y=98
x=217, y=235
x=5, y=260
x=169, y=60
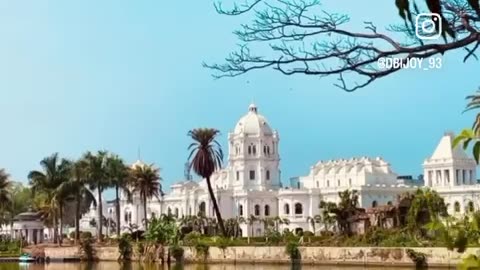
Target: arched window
x=254, y=150
x=257, y=210
x=169, y=211
x=189, y=211
x=268, y=150
x=456, y=207
x=129, y=217
x=249, y=150
x=240, y=210
x=470, y=207
x=267, y=210
x=298, y=209
x=267, y=174
x=202, y=209
x=176, y=212
x=265, y=150
x=286, y=209
x=374, y=204
x=126, y=217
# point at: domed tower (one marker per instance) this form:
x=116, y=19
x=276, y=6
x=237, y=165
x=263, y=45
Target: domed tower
x=253, y=153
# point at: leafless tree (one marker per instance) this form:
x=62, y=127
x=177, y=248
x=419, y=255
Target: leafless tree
x=302, y=38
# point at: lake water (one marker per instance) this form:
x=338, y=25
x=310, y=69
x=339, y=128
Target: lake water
x=138, y=266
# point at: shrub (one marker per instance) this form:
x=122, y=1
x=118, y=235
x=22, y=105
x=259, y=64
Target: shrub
x=223, y=242
x=202, y=249
x=419, y=258
x=191, y=238
x=85, y=235
x=292, y=250
x=125, y=247
x=273, y=237
x=177, y=252
x=87, y=249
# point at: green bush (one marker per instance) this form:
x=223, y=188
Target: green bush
x=191, y=238
x=273, y=237
x=202, y=249
x=125, y=247
x=292, y=250
x=85, y=235
x=177, y=252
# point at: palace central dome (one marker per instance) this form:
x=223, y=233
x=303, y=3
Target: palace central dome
x=253, y=123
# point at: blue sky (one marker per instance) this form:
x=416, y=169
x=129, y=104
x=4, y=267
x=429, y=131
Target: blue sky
x=122, y=75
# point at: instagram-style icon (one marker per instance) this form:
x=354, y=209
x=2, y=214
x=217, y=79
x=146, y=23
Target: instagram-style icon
x=426, y=26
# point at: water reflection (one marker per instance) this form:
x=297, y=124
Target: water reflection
x=138, y=266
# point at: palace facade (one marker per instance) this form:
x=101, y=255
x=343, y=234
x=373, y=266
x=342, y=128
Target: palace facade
x=250, y=183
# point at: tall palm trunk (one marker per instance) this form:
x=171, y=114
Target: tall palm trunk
x=100, y=216
x=144, y=199
x=55, y=228
x=215, y=208
x=117, y=209
x=60, y=230
x=77, y=217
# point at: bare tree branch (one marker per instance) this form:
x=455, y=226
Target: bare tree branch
x=302, y=38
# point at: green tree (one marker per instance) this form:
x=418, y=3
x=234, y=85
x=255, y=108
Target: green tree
x=118, y=174
x=76, y=189
x=97, y=178
x=145, y=180
x=471, y=135
x=205, y=158
x=426, y=206
x=5, y=198
x=317, y=219
x=54, y=172
x=251, y=221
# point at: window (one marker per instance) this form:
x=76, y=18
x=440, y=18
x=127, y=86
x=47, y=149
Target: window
x=286, y=209
x=169, y=211
x=470, y=207
x=456, y=207
x=257, y=210
x=202, y=208
x=267, y=210
x=268, y=150
x=265, y=150
x=298, y=209
x=176, y=212
x=374, y=204
x=126, y=217
x=240, y=210
x=457, y=177
x=237, y=175
x=267, y=175
x=446, y=174
x=249, y=150
x=252, y=175
x=254, y=150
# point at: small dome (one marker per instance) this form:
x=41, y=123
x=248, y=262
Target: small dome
x=253, y=123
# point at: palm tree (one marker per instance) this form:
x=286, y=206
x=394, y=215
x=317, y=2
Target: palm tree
x=97, y=178
x=205, y=158
x=145, y=179
x=118, y=175
x=48, y=181
x=76, y=188
x=469, y=135
x=5, y=199
x=279, y=220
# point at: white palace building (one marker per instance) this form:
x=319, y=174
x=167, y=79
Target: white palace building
x=250, y=183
